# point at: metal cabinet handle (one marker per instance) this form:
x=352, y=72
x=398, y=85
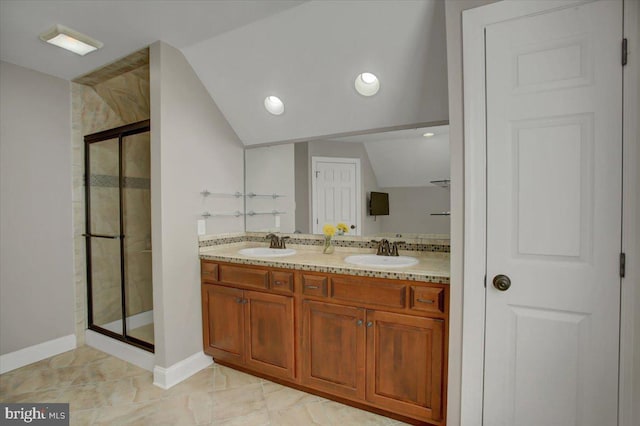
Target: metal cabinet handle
x=359, y=323
x=238, y=299
x=312, y=287
x=425, y=301
x=278, y=283
x=369, y=323
x=502, y=282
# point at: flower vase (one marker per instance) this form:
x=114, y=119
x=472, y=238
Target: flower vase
x=328, y=245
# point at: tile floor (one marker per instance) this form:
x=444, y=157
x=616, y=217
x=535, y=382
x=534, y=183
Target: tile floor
x=103, y=390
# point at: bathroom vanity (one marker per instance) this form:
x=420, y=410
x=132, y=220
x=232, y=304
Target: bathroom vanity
x=375, y=338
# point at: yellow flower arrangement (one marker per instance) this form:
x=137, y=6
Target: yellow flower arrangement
x=329, y=230
x=342, y=227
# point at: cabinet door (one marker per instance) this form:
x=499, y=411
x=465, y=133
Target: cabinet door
x=333, y=348
x=223, y=322
x=269, y=334
x=405, y=364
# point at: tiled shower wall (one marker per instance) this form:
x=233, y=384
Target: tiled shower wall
x=93, y=113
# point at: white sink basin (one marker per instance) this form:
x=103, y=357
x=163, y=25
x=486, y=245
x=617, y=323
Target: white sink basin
x=381, y=261
x=266, y=252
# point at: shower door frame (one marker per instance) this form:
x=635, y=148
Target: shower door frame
x=120, y=133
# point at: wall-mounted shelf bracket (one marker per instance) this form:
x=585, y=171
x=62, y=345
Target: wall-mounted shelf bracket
x=236, y=213
x=443, y=183
x=207, y=193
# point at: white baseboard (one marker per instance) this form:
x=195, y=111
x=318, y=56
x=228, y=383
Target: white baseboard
x=133, y=321
x=36, y=353
x=125, y=352
x=168, y=377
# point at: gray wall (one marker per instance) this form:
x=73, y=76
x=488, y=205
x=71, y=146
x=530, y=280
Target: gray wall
x=410, y=210
x=301, y=173
x=192, y=148
x=36, y=253
x=271, y=172
x=327, y=148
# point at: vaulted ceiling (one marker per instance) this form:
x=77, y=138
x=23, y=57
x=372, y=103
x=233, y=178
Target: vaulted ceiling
x=309, y=56
x=306, y=52
x=407, y=158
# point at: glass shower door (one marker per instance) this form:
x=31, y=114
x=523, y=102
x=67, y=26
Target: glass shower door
x=136, y=211
x=118, y=237
x=104, y=235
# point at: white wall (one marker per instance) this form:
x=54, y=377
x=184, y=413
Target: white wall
x=410, y=210
x=36, y=253
x=192, y=148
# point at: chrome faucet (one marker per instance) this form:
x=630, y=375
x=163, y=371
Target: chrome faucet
x=277, y=242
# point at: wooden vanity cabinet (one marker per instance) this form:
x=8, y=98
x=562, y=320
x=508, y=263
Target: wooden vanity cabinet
x=333, y=348
x=249, y=328
x=393, y=361
x=380, y=343
x=405, y=364
x=223, y=322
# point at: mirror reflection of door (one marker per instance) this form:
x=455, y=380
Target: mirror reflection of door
x=335, y=189
x=410, y=165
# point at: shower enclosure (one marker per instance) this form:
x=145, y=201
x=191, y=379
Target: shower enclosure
x=118, y=233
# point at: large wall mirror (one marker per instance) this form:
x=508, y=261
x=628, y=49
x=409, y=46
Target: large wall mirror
x=298, y=187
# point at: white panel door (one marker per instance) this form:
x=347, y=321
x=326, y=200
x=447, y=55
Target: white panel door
x=336, y=193
x=554, y=151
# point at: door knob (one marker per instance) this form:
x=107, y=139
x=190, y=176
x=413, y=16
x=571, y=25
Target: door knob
x=501, y=282
x=353, y=227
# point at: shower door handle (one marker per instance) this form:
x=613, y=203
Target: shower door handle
x=112, y=237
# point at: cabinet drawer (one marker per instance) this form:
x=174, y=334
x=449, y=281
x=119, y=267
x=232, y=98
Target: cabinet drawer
x=315, y=285
x=380, y=293
x=427, y=299
x=281, y=282
x=246, y=277
x=209, y=271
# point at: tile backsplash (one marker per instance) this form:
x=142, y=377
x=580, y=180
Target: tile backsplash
x=439, y=245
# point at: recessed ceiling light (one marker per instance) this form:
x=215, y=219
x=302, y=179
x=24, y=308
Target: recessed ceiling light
x=367, y=84
x=274, y=105
x=69, y=39
x=428, y=134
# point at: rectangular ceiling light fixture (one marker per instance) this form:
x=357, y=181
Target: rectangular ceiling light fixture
x=69, y=39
